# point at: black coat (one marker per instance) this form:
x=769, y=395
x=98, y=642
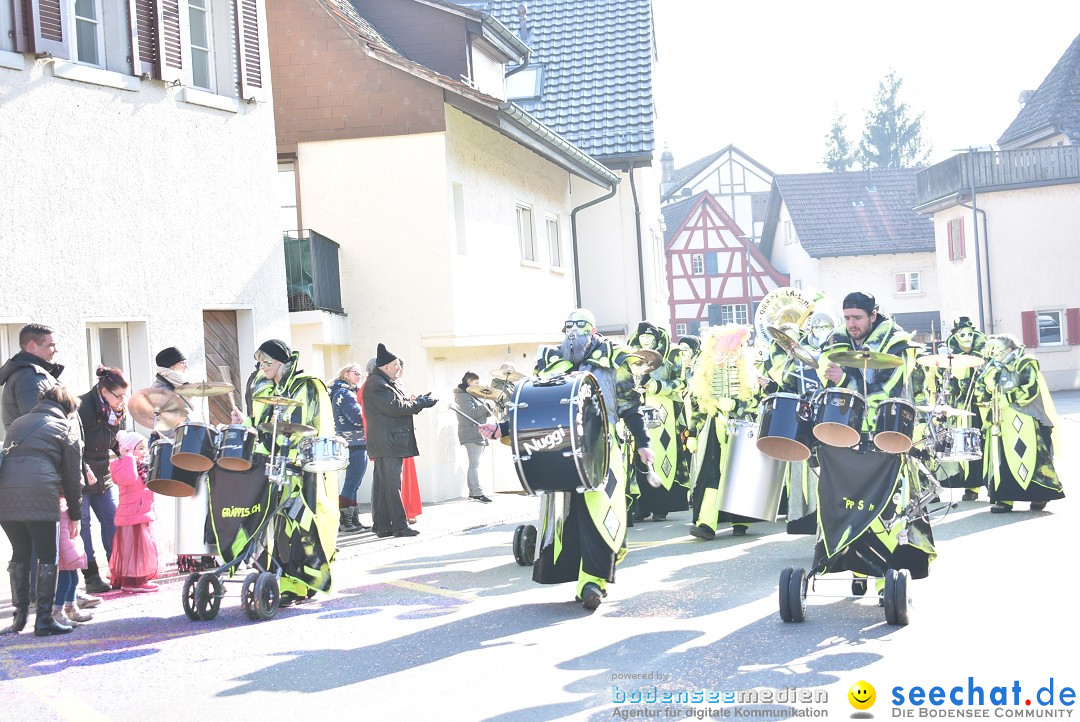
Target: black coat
x=99, y=438
x=389, y=415
x=24, y=377
x=45, y=464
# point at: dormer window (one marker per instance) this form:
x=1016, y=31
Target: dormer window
x=526, y=84
x=487, y=69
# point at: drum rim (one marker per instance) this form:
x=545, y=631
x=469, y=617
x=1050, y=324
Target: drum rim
x=782, y=394
x=840, y=389
x=575, y=439
x=895, y=400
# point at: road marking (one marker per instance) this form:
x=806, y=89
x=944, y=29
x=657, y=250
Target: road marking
x=66, y=643
x=428, y=589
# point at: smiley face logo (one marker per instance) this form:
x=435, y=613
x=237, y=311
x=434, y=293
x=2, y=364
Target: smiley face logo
x=862, y=695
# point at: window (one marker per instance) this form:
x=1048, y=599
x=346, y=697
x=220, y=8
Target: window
x=697, y=264
x=202, y=70
x=459, y=218
x=909, y=282
x=526, y=84
x=106, y=343
x=1049, y=328
x=525, y=233
x=554, y=245
x=789, y=233
x=286, y=192
x=696, y=326
x=680, y=329
x=727, y=313
x=957, y=251
x=797, y=283
x=89, y=32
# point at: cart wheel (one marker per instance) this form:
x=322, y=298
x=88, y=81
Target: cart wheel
x=528, y=545
x=267, y=596
x=187, y=596
x=247, y=595
x=887, y=596
x=785, y=605
x=208, y=593
x=796, y=590
x=518, y=534
x=901, y=600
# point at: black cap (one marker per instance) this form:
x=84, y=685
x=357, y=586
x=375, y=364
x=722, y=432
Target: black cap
x=168, y=357
x=277, y=350
x=383, y=356
x=860, y=300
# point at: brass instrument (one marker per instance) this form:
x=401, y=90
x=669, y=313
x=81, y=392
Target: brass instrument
x=782, y=307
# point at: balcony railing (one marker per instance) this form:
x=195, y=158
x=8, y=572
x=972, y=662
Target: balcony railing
x=311, y=272
x=998, y=170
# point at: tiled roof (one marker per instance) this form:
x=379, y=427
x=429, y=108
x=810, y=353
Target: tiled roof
x=597, y=60
x=1055, y=103
x=675, y=214
x=836, y=214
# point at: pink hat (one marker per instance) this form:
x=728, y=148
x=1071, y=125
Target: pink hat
x=128, y=440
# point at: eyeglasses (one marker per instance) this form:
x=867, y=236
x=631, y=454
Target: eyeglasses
x=118, y=397
x=265, y=364
x=580, y=323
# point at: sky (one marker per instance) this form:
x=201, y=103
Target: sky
x=769, y=76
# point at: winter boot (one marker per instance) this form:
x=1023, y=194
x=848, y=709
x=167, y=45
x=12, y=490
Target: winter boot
x=356, y=520
x=20, y=595
x=72, y=612
x=94, y=584
x=345, y=523
x=45, y=625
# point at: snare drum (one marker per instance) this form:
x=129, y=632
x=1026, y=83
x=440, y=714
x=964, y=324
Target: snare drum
x=194, y=446
x=653, y=415
x=167, y=479
x=559, y=433
x=785, y=431
x=894, y=426
x=752, y=483
x=959, y=444
x=838, y=417
x=236, y=447
x=323, y=453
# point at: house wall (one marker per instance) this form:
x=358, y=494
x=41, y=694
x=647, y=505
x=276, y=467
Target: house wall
x=136, y=208
x=839, y=276
x=733, y=180
x=1030, y=233
x=791, y=258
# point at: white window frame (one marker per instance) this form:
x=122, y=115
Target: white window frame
x=93, y=348
x=1060, y=326
x=209, y=49
x=73, y=22
x=680, y=329
x=526, y=232
x=733, y=313
x=554, y=241
x=789, y=233
x=697, y=264
x=908, y=279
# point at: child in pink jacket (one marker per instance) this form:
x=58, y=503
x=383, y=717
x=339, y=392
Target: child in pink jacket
x=134, y=560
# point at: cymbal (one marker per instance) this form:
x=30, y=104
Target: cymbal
x=485, y=392
x=507, y=375
x=277, y=401
x=952, y=360
x=793, y=348
x=650, y=360
x=170, y=408
x=865, y=359
x=289, y=428
x=944, y=410
x=205, y=388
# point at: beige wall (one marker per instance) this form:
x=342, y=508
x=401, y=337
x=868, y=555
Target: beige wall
x=874, y=274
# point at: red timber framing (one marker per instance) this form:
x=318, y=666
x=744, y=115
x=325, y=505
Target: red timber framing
x=720, y=276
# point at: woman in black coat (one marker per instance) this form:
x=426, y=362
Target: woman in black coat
x=42, y=460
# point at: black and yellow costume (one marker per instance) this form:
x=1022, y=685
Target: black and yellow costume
x=960, y=394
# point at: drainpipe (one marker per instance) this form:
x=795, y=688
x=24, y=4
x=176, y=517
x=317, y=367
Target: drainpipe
x=574, y=242
x=989, y=285
x=975, y=222
x=640, y=252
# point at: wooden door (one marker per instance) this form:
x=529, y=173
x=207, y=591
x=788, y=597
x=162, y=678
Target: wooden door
x=222, y=352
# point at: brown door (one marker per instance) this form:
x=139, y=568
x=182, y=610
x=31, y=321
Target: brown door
x=222, y=353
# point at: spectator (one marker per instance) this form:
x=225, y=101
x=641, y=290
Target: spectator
x=391, y=438
x=410, y=485
x=42, y=459
x=103, y=410
x=134, y=559
x=29, y=372
x=349, y=422
x=468, y=432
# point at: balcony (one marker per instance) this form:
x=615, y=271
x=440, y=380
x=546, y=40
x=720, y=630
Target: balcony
x=312, y=276
x=997, y=170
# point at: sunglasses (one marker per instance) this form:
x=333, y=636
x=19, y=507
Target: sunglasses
x=580, y=323
x=265, y=364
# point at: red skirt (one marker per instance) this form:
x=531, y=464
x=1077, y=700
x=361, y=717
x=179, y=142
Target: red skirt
x=134, y=554
x=410, y=489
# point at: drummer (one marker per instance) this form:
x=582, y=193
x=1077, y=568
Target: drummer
x=583, y=535
x=965, y=339
x=304, y=542
x=172, y=364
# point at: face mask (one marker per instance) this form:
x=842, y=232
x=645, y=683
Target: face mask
x=647, y=340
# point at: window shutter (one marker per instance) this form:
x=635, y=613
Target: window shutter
x=712, y=263
x=962, y=252
x=1072, y=320
x=47, y=27
x=1029, y=324
x=949, y=227
x=168, y=38
x=142, y=15
x=249, y=50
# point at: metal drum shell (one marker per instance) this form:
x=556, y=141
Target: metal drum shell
x=838, y=417
x=167, y=479
x=785, y=429
x=894, y=426
x=320, y=454
x=751, y=483
x=559, y=433
x=194, y=446
x=236, y=447
x=964, y=444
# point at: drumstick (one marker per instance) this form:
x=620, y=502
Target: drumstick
x=464, y=415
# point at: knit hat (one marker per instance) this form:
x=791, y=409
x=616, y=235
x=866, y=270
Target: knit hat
x=383, y=356
x=861, y=301
x=277, y=350
x=168, y=357
x=128, y=440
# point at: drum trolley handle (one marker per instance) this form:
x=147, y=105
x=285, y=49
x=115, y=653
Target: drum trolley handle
x=513, y=406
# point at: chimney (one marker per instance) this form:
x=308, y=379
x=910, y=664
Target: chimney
x=667, y=171
x=1025, y=96
x=523, y=23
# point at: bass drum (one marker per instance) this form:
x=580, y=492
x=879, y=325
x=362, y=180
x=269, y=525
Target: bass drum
x=559, y=433
x=752, y=483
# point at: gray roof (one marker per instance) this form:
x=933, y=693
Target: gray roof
x=597, y=61
x=675, y=214
x=837, y=214
x=1056, y=102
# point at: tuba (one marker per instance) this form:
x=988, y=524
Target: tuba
x=780, y=308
